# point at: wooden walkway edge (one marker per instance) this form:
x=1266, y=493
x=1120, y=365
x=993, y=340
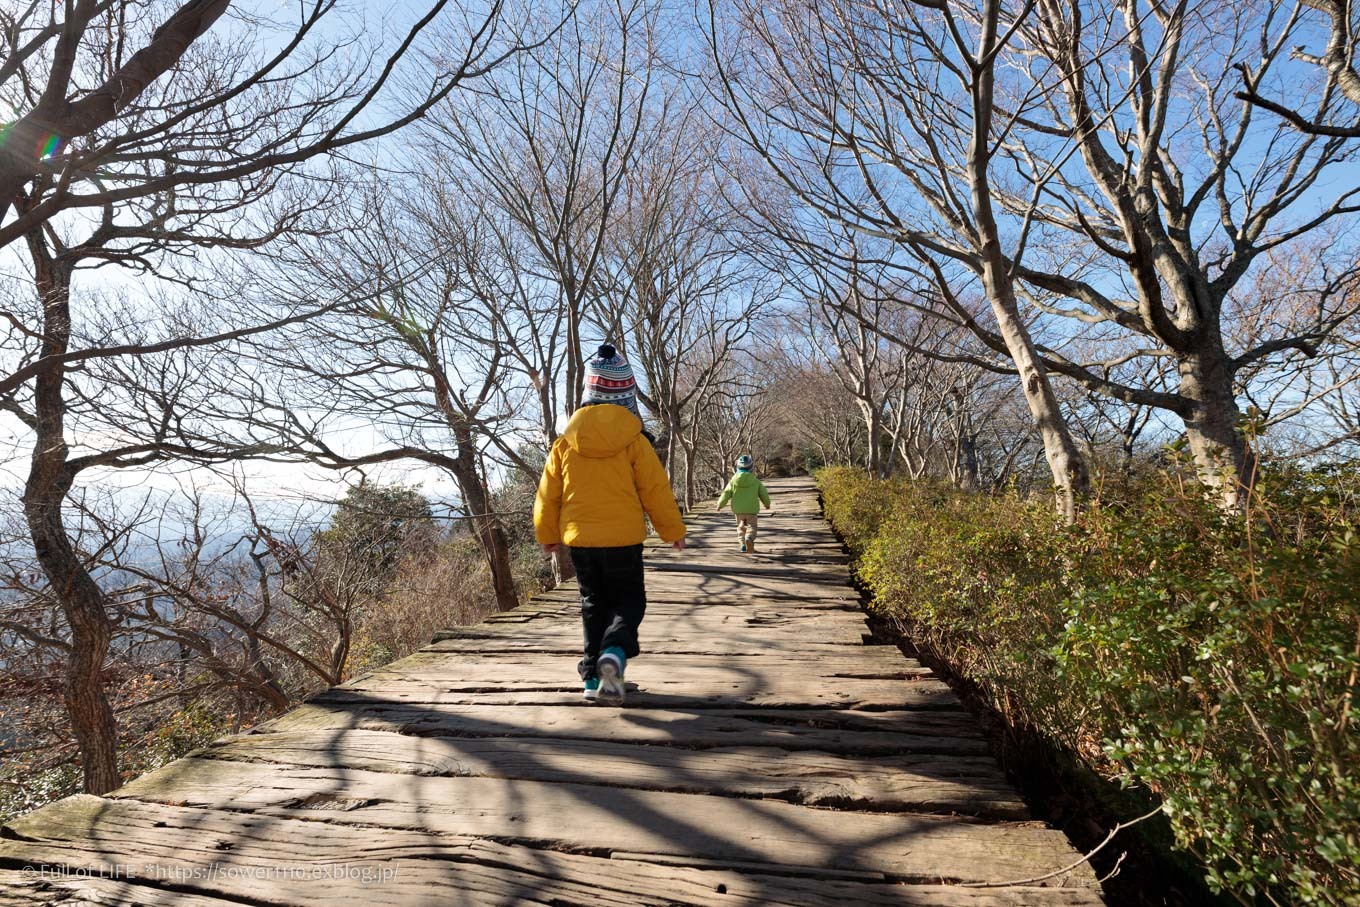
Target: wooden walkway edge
x=766, y=755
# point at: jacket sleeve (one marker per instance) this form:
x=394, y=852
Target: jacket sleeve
x=726, y=496
x=765, y=495
x=654, y=490
x=548, y=502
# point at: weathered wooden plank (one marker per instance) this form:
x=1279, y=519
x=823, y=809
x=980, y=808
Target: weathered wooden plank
x=880, y=663
x=661, y=620
x=814, y=572
x=661, y=599
x=954, y=784
x=880, y=678
x=795, y=553
x=848, y=731
x=666, y=622
x=569, y=645
x=752, y=627
x=563, y=601
x=647, y=691
x=765, y=756
x=286, y=861
x=591, y=815
x=777, y=632
x=741, y=586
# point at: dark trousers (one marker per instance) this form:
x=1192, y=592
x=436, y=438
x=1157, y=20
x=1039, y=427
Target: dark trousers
x=613, y=600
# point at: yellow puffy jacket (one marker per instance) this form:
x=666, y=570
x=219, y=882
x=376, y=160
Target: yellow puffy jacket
x=601, y=474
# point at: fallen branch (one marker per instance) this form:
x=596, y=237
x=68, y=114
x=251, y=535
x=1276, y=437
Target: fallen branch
x=1066, y=869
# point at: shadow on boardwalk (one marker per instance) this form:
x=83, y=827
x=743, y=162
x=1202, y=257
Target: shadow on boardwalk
x=766, y=755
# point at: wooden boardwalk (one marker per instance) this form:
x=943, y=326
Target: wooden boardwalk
x=766, y=755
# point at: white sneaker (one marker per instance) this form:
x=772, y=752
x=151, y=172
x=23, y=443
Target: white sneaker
x=591, y=691
x=610, y=668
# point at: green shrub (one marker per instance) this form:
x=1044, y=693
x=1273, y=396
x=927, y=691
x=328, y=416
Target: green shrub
x=1211, y=658
x=856, y=504
x=1222, y=654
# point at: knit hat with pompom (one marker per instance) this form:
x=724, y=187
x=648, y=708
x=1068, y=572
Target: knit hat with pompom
x=609, y=379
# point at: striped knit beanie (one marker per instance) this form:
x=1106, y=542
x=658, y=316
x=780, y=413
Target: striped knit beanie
x=609, y=379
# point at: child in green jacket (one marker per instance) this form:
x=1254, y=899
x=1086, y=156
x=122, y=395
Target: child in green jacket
x=747, y=493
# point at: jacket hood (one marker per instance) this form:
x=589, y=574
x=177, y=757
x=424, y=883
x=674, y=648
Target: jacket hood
x=601, y=430
x=745, y=480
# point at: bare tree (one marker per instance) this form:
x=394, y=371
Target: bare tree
x=863, y=362
x=819, y=415
x=874, y=118
x=677, y=286
x=518, y=311
x=252, y=612
x=412, y=355
x=79, y=72
x=1085, y=174
x=549, y=138
x=1182, y=229
x=223, y=609
x=912, y=366
x=1340, y=38
x=53, y=471
x=181, y=145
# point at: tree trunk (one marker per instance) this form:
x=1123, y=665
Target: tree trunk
x=1071, y=481
x=667, y=451
x=873, y=426
x=485, y=524
x=49, y=481
x=575, y=371
x=340, y=650
x=691, y=492
x=970, y=474
x=268, y=689
x=669, y=414
x=547, y=412
x=1223, y=459
x=498, y=555
x=472, y=486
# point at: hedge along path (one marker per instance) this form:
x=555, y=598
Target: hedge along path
x=766, y=754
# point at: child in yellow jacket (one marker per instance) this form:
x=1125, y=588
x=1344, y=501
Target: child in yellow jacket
x=602, y=475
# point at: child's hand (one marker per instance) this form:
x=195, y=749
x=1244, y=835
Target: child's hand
x=550, y=549
x=678, y=544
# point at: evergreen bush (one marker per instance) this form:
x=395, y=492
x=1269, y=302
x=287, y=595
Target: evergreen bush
x=1211, y=657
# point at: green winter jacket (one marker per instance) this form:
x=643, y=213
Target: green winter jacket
x=746, y=493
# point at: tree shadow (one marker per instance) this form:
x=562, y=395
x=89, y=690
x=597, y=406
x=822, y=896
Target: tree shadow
x=466, y=799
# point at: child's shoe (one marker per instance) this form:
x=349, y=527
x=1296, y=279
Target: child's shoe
x=592, y=690
x=610, y=667
x=743, y=547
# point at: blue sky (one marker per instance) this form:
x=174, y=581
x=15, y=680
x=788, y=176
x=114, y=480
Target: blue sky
x=378, y=23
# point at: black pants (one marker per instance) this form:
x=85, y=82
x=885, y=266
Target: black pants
x=613, y=600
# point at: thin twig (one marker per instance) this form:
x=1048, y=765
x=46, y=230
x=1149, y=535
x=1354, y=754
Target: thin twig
x=1066, y=869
